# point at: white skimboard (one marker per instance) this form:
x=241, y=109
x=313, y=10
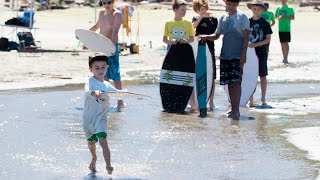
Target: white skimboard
x=250, y=74
x=204, y=74
x=96, y=42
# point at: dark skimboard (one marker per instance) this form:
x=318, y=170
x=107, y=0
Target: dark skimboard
x=177, y=78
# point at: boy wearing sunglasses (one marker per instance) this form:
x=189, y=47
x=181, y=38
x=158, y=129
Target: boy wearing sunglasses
x=234, y=26
x=109, y=22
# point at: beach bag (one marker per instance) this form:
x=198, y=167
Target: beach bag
x=4, y=43
x=15, y=22
x=13, y=45
x=27, y=38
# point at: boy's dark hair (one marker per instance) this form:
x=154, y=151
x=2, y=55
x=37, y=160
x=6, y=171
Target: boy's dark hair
x=98, y=58
x=177, y=3
x=233, y=1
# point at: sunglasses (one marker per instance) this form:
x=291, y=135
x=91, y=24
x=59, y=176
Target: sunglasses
x=107, y=2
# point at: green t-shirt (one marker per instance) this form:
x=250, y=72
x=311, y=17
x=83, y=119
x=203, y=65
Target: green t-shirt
x=284, y=24
x=269, y=16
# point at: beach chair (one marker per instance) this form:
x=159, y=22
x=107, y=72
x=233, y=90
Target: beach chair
x=28, y=45
x=28, y=18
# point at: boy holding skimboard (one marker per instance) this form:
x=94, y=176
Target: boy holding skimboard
x=179, y=30
x=109, y=22
x=205, y=23
x=96, y=110
x=234, y=26
x=259, y=37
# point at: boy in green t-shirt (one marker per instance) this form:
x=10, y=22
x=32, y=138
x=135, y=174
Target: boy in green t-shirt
x=285, y=14
x=268, y=15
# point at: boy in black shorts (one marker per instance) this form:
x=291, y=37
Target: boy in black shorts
x=259, y=37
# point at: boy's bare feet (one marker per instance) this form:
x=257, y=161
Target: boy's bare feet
x=120, y=105
x=109, y=169
x=193, y=110
x=211, y=106
x=234, y=116
x=92, y=165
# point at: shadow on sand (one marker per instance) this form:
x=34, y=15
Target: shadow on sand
x=94, y=176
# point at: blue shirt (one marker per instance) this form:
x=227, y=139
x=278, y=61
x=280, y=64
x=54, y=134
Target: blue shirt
x=232, y=27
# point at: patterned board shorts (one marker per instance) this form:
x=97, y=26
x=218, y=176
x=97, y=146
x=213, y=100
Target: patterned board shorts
x=230, y=72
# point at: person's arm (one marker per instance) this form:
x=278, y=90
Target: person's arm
x=283, y=16
x=260, y=43
x=245, y=43
x=291, y=14
x=196, y=21
x=88, y=89
x=116, y=26
x=273, y=21
x=97, y=25
x=210, y=37
x=169, y=42
x=188, y=40
x=276, y=13
x=191, y=34
x=214, y=36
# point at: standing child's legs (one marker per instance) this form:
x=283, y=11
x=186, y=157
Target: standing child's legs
x=230, y=74
x=92, y=149
x=285, y=51
x=106, y=154
x=263, y=84
x=214, y=75
x=192, y=101
x=251, y=101
x=235, y=95
x=118, y=85
x=285, y=38
x=211, y=104
x=113, y=73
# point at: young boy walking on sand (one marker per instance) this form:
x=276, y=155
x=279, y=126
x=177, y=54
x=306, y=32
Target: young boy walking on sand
x=205, y=23
x=259, y=37
x=109, y=22
x=234, y=26
x=96, y=109
x=179, y=30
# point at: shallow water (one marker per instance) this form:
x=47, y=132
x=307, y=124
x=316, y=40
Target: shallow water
x=42, y=138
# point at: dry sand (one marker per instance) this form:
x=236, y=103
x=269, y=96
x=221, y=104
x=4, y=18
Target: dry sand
x=56, y=32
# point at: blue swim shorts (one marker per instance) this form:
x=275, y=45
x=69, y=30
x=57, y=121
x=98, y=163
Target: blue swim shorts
x=113, y=71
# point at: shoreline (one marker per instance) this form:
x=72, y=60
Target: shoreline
x=146, y=143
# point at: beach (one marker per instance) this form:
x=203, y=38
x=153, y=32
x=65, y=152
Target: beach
x=41, y=102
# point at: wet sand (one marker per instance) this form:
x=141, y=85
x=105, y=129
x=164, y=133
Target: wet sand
x=42, y=138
